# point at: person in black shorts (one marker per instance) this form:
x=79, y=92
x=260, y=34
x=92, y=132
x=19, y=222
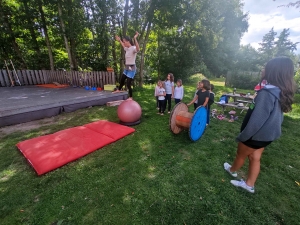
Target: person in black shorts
x=262, y=123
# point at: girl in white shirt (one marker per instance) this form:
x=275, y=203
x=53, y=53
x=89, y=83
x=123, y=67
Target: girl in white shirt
x=161, y=93
x=169, y=86
x=156, y=94
x=178, y=91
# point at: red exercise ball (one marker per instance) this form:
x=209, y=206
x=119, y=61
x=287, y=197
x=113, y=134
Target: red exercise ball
x=129, y=111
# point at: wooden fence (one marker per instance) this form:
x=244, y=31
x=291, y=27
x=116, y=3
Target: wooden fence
x=73, y=78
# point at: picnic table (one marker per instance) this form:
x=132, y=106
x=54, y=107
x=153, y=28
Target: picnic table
x=237, y=100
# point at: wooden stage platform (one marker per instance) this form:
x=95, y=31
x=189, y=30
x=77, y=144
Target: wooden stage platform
x=21, y=104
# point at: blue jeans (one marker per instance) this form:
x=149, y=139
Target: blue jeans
x=208, y=115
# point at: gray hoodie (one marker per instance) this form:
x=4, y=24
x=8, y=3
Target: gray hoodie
x=265, y=121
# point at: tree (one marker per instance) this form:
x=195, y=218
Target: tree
x=283, y=46
x=247, y=59
x=45, y=31
x=267, y=49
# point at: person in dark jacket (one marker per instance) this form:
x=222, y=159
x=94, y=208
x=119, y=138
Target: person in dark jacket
x=262, y=123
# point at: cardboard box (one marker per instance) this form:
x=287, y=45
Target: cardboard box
x=109, y=87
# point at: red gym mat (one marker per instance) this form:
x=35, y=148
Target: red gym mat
x=46, y=153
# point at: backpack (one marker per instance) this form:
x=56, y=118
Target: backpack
x=211, y=99
x=224, y=98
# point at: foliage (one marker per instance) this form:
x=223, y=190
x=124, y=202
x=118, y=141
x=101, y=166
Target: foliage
x=152, y=176
x=297, y=79
x=242, y=80
x=177, y=36
x=250, y=59
x=247, y=59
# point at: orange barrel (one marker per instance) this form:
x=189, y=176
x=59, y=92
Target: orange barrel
x=183, y=119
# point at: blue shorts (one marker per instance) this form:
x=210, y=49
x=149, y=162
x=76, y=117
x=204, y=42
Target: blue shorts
x=129, y=73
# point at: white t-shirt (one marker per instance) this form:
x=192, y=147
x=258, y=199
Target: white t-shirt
x=161, y=92
x=130, y=55
x=195, y=96
x=178, y=92
x=168, y=86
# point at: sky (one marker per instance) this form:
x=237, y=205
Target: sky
x=265, y=14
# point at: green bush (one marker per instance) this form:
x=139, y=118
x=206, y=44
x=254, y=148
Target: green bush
x=297, y=80
x=242, y=80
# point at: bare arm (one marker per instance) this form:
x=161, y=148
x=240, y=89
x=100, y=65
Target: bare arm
x=206, y=101
x=196, y=97
x=172, y=91
x=119, y=39
x=136, y=42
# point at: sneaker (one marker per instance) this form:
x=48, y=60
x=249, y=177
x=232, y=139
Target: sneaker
x=227, y=167
x=169, y=112
x=243, y=185
x=161, y=114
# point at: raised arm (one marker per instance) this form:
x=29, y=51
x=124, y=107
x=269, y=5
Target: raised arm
x=119, y=40
x=136, y=42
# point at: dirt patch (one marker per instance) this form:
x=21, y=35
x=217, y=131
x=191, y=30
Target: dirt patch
x=26, y=126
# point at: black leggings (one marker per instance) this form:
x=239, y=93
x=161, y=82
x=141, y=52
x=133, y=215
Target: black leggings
x=168, y=101
x=128, y=84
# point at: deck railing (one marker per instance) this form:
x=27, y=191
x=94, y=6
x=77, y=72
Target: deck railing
x=73, y=78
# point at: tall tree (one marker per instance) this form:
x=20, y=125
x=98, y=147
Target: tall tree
x=45, y=32
x=267, y=45
x=62, y=24
x=284, y=46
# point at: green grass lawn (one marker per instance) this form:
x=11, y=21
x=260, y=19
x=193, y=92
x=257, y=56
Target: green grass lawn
x=152, y=176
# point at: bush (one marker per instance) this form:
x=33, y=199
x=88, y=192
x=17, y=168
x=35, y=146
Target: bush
x=242, y=80
x=297, y=80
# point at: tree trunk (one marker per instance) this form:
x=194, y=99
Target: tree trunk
x=147, y=25
x=115, y=65
x=122, y=61
x=71, y=36
x=141, y=74
x=64, y=35
x=45, y=29
x=33, y=35
x=125, y=18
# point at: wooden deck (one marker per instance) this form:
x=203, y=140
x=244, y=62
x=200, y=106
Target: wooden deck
x=21, y=104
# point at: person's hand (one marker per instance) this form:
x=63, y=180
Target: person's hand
x=117, y=38
x=136, y=34
x=188, y=104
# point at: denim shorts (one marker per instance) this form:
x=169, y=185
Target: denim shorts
x=129, y=73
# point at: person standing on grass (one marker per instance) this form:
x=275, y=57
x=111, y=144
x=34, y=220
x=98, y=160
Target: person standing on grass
x=131, y=49
x=262, y=123
x=196, y=102
x=161, y=93
x=202, y=95
x=169, y=86
x=211, y=100
x=178, y=91
x=156, y=94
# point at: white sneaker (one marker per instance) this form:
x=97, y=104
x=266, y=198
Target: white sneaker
x=227, y=167
x=242, y=184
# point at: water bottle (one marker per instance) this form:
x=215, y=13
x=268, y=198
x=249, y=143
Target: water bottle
x=234, y=90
